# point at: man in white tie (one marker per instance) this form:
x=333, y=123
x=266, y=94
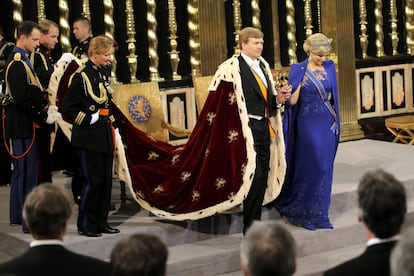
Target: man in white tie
x=262, y=102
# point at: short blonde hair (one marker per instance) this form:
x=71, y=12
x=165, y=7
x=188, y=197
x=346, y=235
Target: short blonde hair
x=249, y=32
x=45, y=25
x=101, y=44
x=317, y=43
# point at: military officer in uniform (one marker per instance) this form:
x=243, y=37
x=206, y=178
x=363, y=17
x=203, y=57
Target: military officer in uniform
x=82, y=33
x=43, y=65
x=86, y=104
x=22, y=118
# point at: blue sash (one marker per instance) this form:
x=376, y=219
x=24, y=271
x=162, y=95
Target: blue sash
x=325, y=99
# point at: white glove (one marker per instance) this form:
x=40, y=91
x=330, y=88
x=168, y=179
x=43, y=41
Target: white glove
x=52, y=114
x=95, y=117
x=67, y=57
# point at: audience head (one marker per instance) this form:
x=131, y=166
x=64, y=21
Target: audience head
x=382, y=203
x=28, y=35
x=49, y=33
x=46, y=211
x=402, y=256
x=140, y=254
x=268, y=248
x=318, y=44
x=81, y=28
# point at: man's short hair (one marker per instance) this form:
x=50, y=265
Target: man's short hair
x=45, y=24
x=249, y=32
x=84, y=21
x=268, y=249
x=46, y=210
x=140, y=254
x=382, y=202
x=26, y=27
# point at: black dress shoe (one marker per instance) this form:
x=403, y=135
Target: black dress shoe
x=89, y=234
x=109, y=230
x=26, y=231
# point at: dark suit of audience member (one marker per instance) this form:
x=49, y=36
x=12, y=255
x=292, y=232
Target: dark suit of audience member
x=22, y=118
x=268, y=249
x=261, y=102
x=382, y=202
x=47, y=211
x=6, y=48
x=140, y=254
x=43, y=66
x=86, y=104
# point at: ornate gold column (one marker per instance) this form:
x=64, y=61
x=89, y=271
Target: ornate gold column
x=40, y=10
x=86, y=11
x=152, y=40
x=394, y=27
x=17, y=14
x=172, y=28
x=109, y=31
x=64, y=25
x=193, y=27
x=130, y=24
x=256, y=14
x=291, y=33
x=212, y=35
x=237, y=25
x=276, y=40
x=308, y=17
x=337, y=23
x=318, y=7
x=409, y=25
x=363, y=37
x=379, y=41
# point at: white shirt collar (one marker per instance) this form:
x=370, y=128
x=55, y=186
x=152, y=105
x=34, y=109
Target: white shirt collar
x=378, y=241
x=250, y=61
x=45, y=242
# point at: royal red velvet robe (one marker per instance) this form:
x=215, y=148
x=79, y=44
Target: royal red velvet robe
x=209, y=174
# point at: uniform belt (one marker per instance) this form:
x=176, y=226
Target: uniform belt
x=104, y=112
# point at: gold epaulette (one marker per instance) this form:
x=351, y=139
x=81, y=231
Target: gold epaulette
x=17, y=56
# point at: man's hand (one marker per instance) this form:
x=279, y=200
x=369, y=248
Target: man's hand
x=284, y=93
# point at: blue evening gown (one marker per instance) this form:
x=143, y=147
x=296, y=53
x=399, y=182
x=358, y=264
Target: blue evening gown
x=305, y=195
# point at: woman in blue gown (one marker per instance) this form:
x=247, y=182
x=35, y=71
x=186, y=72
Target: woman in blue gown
x=311, y=127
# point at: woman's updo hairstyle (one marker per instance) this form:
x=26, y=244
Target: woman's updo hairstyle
x=318, y=44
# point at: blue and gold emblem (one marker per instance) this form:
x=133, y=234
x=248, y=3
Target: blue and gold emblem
x=139, y=108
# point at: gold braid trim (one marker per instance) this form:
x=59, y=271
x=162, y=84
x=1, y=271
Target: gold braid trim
x=31, y=78
x=32, y=55
x=179, y=132
x=103, y=97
